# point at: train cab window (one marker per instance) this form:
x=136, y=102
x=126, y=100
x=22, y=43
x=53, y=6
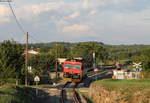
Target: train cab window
x=68, y=65
x=77, y=66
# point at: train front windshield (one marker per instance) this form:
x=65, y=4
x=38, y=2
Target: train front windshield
x=70, y=66
x=77, y=66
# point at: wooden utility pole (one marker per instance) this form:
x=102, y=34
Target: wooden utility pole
x=26, y=60
x=94, y=64
x=56, y=67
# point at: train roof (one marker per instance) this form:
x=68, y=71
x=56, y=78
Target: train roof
x=75, y=59
x=73, y=62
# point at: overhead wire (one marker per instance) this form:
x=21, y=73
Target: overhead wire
x=16, y=19
x=19, y=24
x=34, y=39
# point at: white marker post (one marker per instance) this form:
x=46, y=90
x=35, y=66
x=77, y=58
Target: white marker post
x=36, y=79
x=95, y=70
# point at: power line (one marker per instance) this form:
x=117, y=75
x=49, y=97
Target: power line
x=19, y=24
x=33, y=38
x=17, y=21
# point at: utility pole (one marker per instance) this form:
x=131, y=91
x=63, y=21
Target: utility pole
x=94, y=65
x=26, y=60
x=56, y=67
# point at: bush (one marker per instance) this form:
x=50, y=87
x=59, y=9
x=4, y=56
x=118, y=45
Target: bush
x=146, y=74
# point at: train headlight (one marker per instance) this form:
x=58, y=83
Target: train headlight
x=78, y=74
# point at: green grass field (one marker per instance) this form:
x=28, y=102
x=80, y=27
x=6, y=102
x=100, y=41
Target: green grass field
x=124, y=91
x=114, y=84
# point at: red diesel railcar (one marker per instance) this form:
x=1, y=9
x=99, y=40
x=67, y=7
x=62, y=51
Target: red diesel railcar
x=74, y=70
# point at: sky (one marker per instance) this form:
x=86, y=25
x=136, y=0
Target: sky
x=108, y=21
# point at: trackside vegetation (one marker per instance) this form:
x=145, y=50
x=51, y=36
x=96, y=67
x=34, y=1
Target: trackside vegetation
x=116, y=84
x=121, y=91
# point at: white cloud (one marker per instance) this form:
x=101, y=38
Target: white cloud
x=91, y=4
x=74, y=15
x=76, y=28
x=87, y=4
x=4, y=20
x=120, y=1
x=93, y=12
x=29, y=11
x=71, y=17
x=93, y=19
x=4, y=11
x=4, y=14
x=61, y=22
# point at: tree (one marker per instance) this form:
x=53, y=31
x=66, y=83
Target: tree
x=144, y=57
x=11, y=60
x=42, y=63
x=59, y=50
x=86, y=49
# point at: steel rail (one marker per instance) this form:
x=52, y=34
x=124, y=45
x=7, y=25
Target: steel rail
x=62, y=93
x=76, y=97
x=75, y=94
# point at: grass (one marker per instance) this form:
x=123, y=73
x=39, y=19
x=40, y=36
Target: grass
x=117, y=84
x=16, y=94
x=129, y=90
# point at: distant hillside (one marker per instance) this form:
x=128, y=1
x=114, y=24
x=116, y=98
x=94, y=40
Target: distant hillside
x=46, y=46
x=125, y=51
x=116, y=51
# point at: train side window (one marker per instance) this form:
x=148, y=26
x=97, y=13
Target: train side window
x=77, y=66
x=68, y=65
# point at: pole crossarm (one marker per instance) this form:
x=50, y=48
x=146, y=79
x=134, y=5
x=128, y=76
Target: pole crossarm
x=5, y=0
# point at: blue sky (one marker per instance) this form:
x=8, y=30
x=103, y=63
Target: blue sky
x=108, y=21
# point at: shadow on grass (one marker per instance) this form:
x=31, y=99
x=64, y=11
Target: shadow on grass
x=2, y=92
x=44, y=97
x=17, y=94
x=87, y=82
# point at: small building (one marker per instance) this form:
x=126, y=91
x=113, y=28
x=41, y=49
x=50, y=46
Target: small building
x=32, y=52
x=118, y=74
x=132, y=75
x=122, y=74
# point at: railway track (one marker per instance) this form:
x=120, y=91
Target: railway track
x=75, y=97
x=62, y=97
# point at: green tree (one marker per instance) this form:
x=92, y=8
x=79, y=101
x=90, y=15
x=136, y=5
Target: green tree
x=11, y=60
x=144, y=57
x=59, y=50
x=42, y=63
x=86, y=49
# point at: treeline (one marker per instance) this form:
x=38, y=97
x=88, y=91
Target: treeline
x=118, y=52
x=47, y=59
x=12, y=61
x=12, y=56
x=105, y=54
